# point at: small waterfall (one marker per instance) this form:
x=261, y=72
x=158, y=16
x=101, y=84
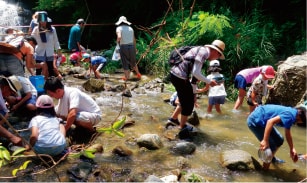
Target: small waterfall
x=13, y=15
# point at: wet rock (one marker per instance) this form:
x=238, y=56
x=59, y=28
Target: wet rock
x=153, y=178
x=80, y=172
x=122, y=151
x=193, y=119
x=97, y=147
x=127, y=93
x=150, y=141
x=183, y=163
x=183, y=148
x=290, y=82
x=94, y=85
x=236, y=160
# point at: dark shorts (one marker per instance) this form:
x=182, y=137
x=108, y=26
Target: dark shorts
x=216, y=100
x=240, y=82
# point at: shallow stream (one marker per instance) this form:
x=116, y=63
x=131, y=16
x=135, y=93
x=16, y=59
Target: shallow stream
x=150, y=113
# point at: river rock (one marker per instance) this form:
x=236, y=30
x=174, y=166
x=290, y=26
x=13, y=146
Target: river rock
x=290, y=81
x=150, y=141
x=183, y=148
x=193, y=119
x=122, y=151
x=236, y=160
x=80, y=171
x=94, y=85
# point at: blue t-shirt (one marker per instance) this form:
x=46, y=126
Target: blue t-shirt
x=263, y=113
x=96, y=60
x=74, y=37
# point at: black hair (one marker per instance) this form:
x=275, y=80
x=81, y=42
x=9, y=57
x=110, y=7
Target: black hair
x=48, y=112
x=302, y=114
x=53, y=83
x=213, y=69
x=30, y=38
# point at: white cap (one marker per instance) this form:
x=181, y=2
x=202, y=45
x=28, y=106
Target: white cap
x=215, y=63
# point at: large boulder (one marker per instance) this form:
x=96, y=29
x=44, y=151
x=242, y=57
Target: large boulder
x=290, y=82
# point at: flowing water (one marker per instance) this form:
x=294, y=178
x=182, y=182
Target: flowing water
x=218, y=133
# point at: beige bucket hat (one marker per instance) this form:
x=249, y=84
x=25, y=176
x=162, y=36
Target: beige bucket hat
x=13, y=83
x=219, y=46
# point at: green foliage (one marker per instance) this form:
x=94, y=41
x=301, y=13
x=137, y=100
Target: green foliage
x=54, y=4
x=89, y=153
x=22, y=167
x=114, y=128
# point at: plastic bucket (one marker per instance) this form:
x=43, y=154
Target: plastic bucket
x=38, y=82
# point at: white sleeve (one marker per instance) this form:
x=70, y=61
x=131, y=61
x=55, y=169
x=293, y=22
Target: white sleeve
x=196, y=71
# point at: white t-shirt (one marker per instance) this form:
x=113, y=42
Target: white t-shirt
x=75, y=98
x=49, y=131
x=127, y=34
x=27, y=86
x=218, y=90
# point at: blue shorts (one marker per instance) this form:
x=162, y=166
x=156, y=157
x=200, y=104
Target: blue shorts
x=3, y=112
x=240, y=82
x=31, y=100
x=52, y=151
x=216, y=100
x=275, y=139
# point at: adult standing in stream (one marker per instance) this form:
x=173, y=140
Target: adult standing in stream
x=180, y=78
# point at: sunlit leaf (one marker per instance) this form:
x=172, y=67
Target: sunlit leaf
x=118, y=124
x=88, y=154
x=6, y=155
x=18, y=151
x=106, y=130
x=90, y=150
x=74, y=155
x=119, y=133
x=25, y=165
x=14, y=172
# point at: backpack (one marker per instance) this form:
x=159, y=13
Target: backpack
x=12, y=44
x=176, y=55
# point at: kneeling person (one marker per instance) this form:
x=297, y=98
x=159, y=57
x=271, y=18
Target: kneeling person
x=74, y=106
x=97, y=63
x=47, y=133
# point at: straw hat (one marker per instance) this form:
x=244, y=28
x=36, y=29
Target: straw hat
x=122, y=19
x=13, y=83
x=218, y=46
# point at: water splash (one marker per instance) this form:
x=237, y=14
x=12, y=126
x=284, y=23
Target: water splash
x=12, y=15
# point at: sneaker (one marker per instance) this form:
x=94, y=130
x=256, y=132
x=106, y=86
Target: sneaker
x=277, y=160
x=138, y=76
x=186, y=133
x=124, y=78
x=175, y=121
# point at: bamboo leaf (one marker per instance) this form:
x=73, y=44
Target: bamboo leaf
x=25, y=165
x=18, y=151
x=88, y=154
x=14, y=172
x=118, y=124
x=118, y=133
x=106, y=130
x=6, y=155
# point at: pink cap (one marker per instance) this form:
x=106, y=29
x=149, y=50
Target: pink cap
x=74, y=56
x=268, y=72
x=44, y=101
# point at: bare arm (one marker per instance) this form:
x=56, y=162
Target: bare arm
x=268, y=128
x=34, y=135
x=293, y=153
x=71, y=118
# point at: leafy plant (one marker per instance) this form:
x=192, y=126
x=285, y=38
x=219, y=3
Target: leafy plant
x=22, y=167
x=89, y=153
x=114, y=128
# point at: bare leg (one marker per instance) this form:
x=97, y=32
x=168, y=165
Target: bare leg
x=127, y=74
x=176, y=112
x=218, y=108
x=86, y=125
x=209, y=109
x=240, y=98
x=183, y=121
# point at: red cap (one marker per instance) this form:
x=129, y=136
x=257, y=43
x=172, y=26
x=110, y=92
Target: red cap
x=268, y=72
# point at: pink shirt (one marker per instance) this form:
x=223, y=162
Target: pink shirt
x=250, y=74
